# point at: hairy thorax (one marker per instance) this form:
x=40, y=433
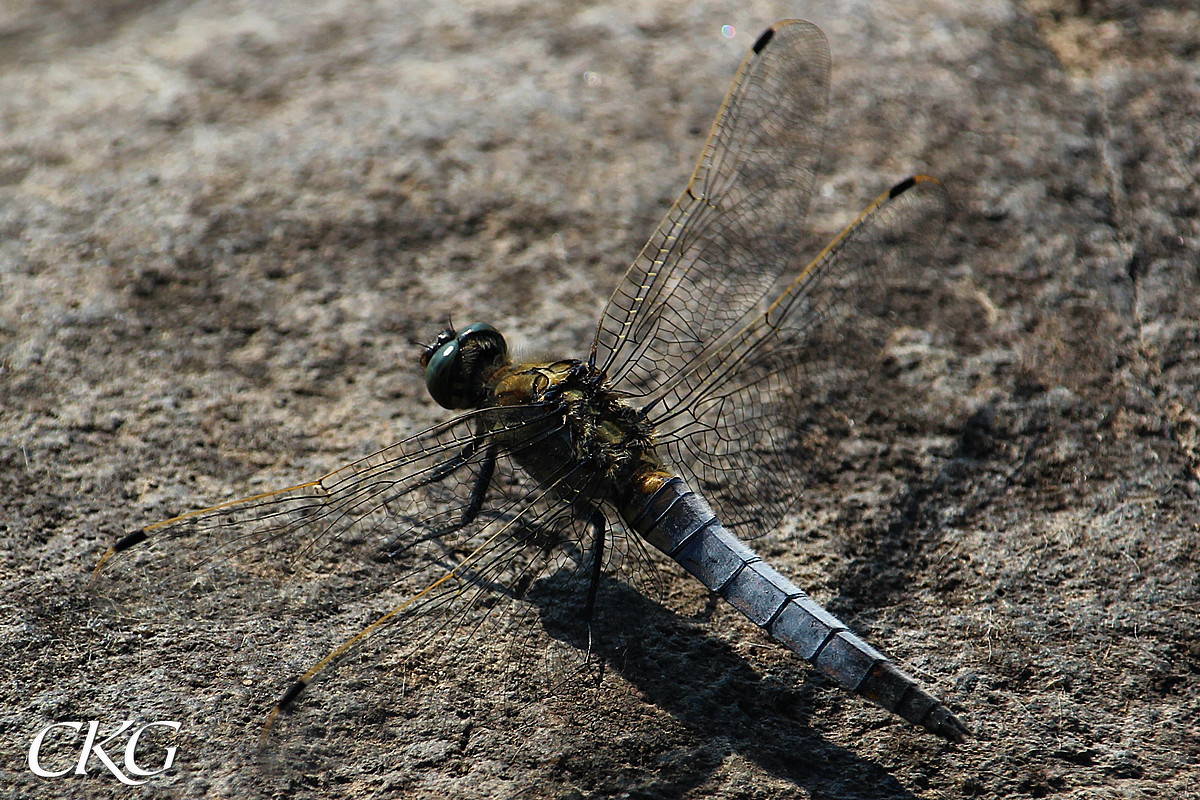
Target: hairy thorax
x=609, y=440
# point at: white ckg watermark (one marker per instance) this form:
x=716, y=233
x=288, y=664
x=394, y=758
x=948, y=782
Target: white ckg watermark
x=91, y=747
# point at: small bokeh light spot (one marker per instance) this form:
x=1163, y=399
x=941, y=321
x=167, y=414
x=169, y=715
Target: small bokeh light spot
x=728, y=31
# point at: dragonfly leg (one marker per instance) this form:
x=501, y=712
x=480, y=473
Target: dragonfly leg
x=483, y=479
x=595, y=518
x=451, y=466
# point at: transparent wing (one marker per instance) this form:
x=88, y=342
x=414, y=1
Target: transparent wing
x=721, y=247
x=448, y=522
x=751, y=421
x=417, y=490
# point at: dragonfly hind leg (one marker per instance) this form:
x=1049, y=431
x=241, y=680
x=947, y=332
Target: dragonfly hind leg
x=594, y=565
x=599, y=527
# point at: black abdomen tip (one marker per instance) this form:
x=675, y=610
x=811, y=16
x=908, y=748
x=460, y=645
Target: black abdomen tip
x=129, y=540
x=902, y=187
x=946, y=725
x=763, y=39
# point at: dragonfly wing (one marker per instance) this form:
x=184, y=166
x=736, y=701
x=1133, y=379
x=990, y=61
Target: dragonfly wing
x=418, y=503
x=452, y=555
x=721, y=247
x=750, y=422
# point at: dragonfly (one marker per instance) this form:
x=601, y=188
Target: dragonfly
x=687, y=426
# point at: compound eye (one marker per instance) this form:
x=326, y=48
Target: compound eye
x=440, y=372
x=428, y=350
x=457, y=365
x=482, y=330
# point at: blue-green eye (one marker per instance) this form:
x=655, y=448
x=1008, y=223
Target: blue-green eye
x=438, y=370
x=456, y=370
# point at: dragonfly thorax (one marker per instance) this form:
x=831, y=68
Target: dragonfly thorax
x=607, y=430
x=596, y=426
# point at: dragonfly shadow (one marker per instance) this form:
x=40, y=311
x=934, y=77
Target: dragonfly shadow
x=724, y=704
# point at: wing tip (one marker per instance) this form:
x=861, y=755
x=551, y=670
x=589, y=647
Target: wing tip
x=908, y=183
x=763, y=39
x=124, y=543
x=282, y=707
x=129, y=540
x=290, y=696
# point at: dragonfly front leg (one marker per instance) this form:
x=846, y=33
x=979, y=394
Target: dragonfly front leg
x=475, y=500
x=483, y=479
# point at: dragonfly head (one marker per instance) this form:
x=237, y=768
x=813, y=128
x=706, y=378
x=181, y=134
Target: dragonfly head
x=458, y=363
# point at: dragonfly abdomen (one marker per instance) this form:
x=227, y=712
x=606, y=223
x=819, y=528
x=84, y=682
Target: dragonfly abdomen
x=682, y=524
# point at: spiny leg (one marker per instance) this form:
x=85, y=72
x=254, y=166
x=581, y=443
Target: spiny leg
x=452, y=465
x=595, y=519
x=487, y=469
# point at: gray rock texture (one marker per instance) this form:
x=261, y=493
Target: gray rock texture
x=223, y=223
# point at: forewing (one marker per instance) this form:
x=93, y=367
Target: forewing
x=406, y=503
x=409, y=528
x=750, y=423
x=721, y=247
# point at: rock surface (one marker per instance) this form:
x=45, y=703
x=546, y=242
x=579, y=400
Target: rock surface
x=222, y=224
